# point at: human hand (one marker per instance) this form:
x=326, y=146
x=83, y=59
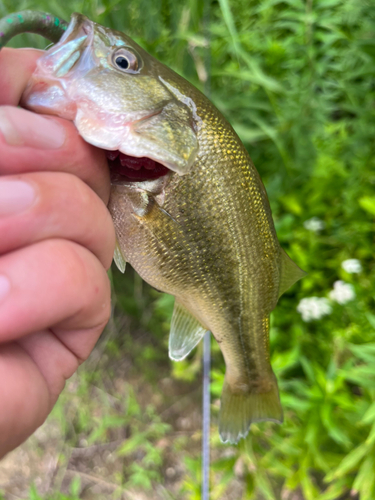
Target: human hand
x=56, y=243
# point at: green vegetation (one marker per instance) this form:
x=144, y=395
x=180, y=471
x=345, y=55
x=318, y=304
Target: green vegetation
x=296, y=80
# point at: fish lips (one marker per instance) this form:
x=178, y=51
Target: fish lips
x=166, y=135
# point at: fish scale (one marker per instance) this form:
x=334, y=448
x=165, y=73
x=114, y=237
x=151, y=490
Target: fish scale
x=204, y=231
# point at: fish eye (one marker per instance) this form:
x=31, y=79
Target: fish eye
x=126, y=61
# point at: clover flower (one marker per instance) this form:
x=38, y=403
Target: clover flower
x=314, y=308
x=351, y=266
x=314, y=224
x=342, y=292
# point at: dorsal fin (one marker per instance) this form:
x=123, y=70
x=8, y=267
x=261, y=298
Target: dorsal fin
x=186, y=332
x=290, y=273
x=119, y=258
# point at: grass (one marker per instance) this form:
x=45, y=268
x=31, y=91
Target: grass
x=295, y=79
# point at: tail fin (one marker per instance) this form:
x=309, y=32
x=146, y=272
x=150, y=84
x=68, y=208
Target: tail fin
x=238, y=411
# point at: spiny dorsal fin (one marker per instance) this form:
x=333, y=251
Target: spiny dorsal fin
x=290, y=273
x=186, y=332
x=119, y=258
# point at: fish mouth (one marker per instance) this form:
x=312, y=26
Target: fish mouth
x=124, y=168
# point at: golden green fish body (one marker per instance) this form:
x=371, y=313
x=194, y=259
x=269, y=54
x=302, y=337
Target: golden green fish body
x=203, y=232
x=213, y=245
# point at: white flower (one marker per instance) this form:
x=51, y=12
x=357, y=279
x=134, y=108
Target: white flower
x=351, y=266
x=314, y=224
x=342, y=292
x=314, y=308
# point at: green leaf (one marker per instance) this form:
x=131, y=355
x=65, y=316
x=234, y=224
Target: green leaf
x=365, y=479
x=367, y=46
x=229, y=21
x=371, y=319
x=75, y=486
x=366, y=351
x=369, y=416
x=368, y=204
x=349, y=463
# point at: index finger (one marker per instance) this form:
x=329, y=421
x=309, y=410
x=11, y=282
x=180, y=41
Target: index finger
x=16, y=68
x=75, y=156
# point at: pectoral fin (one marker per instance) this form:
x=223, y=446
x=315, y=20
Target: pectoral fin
x=290, y=273
x=186, y=332
x=119, y=258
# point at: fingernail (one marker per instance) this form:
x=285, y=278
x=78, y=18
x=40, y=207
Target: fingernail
x=4, y=288
x=15, y=196
x=24, y=128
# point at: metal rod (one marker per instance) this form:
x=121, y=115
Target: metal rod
x=206, y=417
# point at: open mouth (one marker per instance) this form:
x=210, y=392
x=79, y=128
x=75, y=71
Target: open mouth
x=131, y=169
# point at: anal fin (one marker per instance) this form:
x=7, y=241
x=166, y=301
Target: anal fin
x=119, y=258
x=185, y=334
x=290, y=273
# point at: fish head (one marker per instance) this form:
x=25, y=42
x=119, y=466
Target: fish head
x=115, y=93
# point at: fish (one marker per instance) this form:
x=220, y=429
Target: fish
x=190, y=211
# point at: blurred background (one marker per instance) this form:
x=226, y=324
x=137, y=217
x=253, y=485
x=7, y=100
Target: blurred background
x=296, y=80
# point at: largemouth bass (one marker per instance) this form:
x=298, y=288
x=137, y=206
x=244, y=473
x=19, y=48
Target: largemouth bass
x=190, y=211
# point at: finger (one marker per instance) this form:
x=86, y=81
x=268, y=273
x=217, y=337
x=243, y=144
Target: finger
x=39, y=206
x=24, y=397
x=54, y=283
x=33, y=373
x=16, y=68
x=58, y=355
x=31, y=143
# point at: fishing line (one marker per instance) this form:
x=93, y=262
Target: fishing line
x=207, y=338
